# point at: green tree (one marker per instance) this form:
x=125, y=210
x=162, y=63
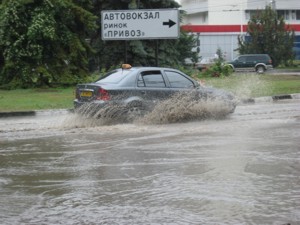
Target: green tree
x=43, y=41
x=268, y=34
x=47, y=41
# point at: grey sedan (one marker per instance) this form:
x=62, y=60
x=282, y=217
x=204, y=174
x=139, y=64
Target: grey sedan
x=136, y=90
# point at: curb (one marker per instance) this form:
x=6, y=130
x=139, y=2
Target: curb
x=270, y=98
x=20, y=113
x=34, y=113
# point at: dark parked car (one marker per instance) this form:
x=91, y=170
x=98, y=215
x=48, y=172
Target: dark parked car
x=139, y=89
x=255, y=62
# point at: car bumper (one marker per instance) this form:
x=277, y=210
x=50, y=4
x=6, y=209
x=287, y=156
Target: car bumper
x=79, y=105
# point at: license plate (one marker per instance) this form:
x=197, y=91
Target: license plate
x=86, y=94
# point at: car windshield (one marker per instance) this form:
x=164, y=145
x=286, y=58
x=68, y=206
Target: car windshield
x=114, y=76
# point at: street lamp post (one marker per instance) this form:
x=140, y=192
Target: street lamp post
x=273, y=4
x=242, y=21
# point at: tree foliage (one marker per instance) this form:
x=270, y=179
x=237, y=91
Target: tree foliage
x=268, y=34
x=43, y=41
x=59, y=41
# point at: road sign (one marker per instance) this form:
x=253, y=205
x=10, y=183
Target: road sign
x=140, y=24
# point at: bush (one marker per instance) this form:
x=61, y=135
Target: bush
x=218, y=70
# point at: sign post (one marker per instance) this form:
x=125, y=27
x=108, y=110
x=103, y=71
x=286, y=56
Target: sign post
x=140, y=24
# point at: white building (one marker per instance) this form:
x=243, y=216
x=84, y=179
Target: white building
x=219, y=23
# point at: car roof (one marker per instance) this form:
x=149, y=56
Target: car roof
x=150, y=68
x=147, y=68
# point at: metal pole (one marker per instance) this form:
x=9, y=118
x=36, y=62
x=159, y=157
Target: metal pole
x=156, y=53
x=242, y=19
x=125, y=53
x=273, y=4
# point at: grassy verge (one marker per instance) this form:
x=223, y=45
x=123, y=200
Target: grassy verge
x=242, y=85
x=254, y=85
x=36, y=99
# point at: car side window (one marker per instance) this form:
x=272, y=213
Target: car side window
x=251, y=59
x=242, y=59
x=261, y=58
x=178, y=81
x=151, y=79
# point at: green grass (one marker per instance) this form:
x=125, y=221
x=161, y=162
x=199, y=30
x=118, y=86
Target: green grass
x=254, y=85
x=36, y=99
x=242, y=85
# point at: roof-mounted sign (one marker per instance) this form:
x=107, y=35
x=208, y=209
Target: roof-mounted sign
x=140, y=24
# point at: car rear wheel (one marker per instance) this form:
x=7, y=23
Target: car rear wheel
x=260, y=69
x=109, y=111
x=135, y=110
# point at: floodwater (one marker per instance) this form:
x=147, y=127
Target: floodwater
x=59, y=168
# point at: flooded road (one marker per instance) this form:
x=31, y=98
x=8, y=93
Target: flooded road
x=57, y=168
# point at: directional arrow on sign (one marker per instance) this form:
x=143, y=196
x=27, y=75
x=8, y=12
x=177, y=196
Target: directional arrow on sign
x=170, y=23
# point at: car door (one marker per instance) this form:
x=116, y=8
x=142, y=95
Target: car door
x=152, y=86
x=179, y=82
x=251, y=62
x=240, y=62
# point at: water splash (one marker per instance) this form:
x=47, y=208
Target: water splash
x=250, y=85
x=90, y=115
x=181, y=107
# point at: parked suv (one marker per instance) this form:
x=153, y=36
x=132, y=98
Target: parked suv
x=257, y=62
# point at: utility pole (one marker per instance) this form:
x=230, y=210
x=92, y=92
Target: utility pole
x=273, y=5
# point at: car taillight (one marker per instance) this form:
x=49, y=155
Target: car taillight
x=270, y=61
x=103, y=95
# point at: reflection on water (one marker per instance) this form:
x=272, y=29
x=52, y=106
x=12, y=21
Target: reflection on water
x=240, y=170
